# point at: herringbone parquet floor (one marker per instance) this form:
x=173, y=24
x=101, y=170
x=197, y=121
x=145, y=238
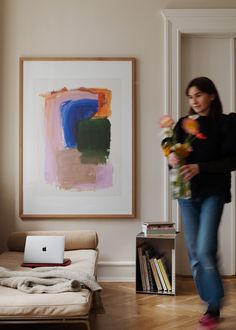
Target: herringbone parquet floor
x=126, y=310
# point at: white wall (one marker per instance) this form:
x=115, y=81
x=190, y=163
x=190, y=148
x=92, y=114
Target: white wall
x=90, y=28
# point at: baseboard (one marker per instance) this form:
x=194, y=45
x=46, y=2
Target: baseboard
x=125, y=271
x=116, y=271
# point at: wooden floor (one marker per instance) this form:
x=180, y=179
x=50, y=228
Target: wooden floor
x=126, y=310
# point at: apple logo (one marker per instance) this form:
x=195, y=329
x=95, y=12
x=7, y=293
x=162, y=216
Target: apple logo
x=44, y=249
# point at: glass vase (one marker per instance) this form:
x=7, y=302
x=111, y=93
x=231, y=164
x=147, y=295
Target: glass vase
x=179, y=187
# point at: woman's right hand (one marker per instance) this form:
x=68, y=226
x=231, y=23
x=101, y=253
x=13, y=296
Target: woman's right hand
x=188, y=171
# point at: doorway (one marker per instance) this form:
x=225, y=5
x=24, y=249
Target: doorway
x=201, y=42
x=211, y=56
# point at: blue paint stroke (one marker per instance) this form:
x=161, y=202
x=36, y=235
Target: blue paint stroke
x=72, y=112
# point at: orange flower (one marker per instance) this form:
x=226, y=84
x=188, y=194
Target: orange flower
x=190, y=126
x=166, y=121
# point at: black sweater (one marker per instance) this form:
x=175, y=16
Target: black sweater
x=211, y=155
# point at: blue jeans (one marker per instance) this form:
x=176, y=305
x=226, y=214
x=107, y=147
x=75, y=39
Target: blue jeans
x=201, y=218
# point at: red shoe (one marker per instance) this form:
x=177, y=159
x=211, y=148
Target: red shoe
x=209, y=320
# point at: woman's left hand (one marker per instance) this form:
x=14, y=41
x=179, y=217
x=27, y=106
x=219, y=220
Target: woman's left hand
x=188, y=171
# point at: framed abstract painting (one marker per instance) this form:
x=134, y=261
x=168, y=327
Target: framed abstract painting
x=77, y=138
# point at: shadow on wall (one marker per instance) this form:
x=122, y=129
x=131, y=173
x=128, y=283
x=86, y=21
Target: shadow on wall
x=7, y=193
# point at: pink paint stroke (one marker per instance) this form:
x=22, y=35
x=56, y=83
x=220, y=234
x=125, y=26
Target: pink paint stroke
x=54, y=147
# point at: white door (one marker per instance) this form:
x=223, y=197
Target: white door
x=211, y=56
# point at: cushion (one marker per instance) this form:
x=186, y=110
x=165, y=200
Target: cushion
x=15, y=304
x=74, y=240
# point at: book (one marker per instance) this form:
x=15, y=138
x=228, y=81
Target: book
x=146, y=273
x=155, y=275
x=158, y=228
x=158, y=224
x=159, y=231
x=140, y=258
x=66, y=262
x=160, y=235
x=148, y=254
x=160, y=274
x=173, y=270
x=163, y=269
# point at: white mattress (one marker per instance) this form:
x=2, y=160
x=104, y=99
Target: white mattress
x=15, y=304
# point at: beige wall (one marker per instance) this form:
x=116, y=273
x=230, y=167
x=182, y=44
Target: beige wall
x=89, y=28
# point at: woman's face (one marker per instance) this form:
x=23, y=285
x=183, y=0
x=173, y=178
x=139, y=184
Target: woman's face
x=199, y=101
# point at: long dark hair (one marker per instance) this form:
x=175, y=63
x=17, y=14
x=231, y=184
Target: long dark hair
x=206, y=85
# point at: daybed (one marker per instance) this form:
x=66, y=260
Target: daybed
x=21, y=307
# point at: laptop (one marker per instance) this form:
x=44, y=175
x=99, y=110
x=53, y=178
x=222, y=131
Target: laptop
x=44, y=250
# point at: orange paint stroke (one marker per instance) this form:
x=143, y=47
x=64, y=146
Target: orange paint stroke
x=104, y=98
x=104, y=101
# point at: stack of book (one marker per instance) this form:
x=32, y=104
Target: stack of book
x=158, y=228
x=154, y=272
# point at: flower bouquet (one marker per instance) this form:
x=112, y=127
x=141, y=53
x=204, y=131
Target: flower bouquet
x=178, y=152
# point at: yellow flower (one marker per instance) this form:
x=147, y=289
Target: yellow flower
x=166, y=151
x=166, y=147
x=182, y=150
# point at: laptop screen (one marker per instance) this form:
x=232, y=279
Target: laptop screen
x=44, y=249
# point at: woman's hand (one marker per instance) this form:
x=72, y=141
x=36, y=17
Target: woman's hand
x=188, y=171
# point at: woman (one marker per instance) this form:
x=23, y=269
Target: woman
x=210, y=186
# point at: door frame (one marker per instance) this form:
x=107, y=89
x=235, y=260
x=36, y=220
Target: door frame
x=201, y=22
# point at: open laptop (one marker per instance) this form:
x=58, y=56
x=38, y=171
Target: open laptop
x=44, y=250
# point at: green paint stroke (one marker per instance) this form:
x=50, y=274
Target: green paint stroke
x=93, y=140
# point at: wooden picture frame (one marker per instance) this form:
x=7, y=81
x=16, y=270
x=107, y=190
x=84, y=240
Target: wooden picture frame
x=77, y=138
